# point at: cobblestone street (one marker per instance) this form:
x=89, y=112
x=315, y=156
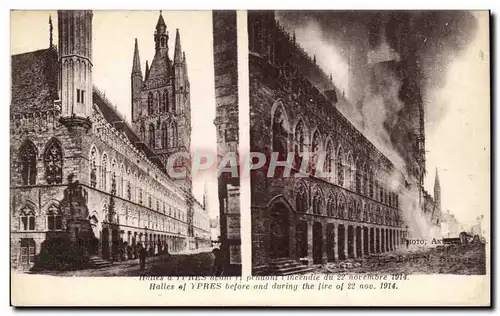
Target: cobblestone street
x=450, y=259
x=192, y=263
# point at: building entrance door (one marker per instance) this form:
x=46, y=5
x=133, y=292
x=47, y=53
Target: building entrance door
x=279, y=231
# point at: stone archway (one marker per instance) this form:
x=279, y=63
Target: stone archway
x=359, y=250
x=301, y=236
x=330, y=242
x=350, y=241
x=279, y=230
x=341, y=242
x=366, y=241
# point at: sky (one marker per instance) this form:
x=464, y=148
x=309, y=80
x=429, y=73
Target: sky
x=458, y=143
x=113, y=46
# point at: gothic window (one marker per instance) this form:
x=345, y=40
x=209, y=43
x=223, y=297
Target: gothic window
x=329, y=159
x=158, y=101
x=104, y=171
x=152, y=136
x=27, y=250
x=358, y=170
x=280, y=135
x=350, y=210
x=165, y=101
x=27, y=158
x=365, y=213
x=358, y=210
x=164, y=135
x=301, y=200
x=122, y=180
x=143, y=131
x=317, y=200
x=150, y=103
x=368, y=180
x=299, y=144
x=27, y=220
x=53, y=163
x=173, y=107
x=316, y=144
x=174, y=135
x=93, y=167
x=349, y=171
x=54, y=218
x=341, y=208
x=140, y=195
x=330, y=206
x=340, y=167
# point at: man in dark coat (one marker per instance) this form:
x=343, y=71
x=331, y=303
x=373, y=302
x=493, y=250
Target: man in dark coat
x=142, y=256
x=218, y=262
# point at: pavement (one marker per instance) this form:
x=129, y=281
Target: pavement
x=183, y=263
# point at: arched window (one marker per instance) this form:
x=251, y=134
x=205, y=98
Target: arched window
x=280, y=135
x=27, y=219
x=358, y=175
x=104, y=171
x=93, y=167
x=365, y=213
x=316, y=147
x=367, y=178
x=53, y=163
x=301, y=200
x=174, y=134
x=350, y=210
x=158, y=101
x=27, y=159
x=349, y=171
x=54, y=218
x=164, y=135
x=143, y=131
x=150, y=103
x=341, y=207
x=165, y=101
x=358, y=210
x=330, y=206
x=317, y=203
x=329, y=160
x=152, y=136
x=340, y=167
x=299, y=144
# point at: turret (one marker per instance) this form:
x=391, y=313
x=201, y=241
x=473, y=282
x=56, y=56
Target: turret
x=136, y=83
x=161, y=36
x=75, y=65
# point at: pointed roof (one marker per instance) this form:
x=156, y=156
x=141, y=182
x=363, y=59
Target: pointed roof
x=147, y=71
x=178, y=51
x=161, y=23
x=136, y=65
x=436, y=181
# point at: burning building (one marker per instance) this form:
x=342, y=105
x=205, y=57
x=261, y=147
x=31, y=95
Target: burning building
x=375, y=166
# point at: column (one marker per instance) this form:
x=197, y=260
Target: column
x=379, y=241
x=362, y=254
x=310, y=258
x=336, y=243
x=346, y=236
x=354, y=241
x=110, y=243
x=324, y=258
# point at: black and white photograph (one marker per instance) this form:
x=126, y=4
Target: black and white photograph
x=107, y=110
x=374, y=126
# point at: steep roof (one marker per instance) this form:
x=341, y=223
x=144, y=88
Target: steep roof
x=34, y=80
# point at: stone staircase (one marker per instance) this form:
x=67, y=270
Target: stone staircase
x=282, y=266
x=98, y=263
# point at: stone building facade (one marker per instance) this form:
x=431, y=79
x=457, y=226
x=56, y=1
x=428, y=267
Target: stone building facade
x=227, y=129
x=349, y=211
x=71, y=150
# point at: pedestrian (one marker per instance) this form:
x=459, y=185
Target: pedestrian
x=218, y=262
x=142, y=256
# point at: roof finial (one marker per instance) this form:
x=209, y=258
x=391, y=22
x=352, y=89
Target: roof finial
x=50, y=31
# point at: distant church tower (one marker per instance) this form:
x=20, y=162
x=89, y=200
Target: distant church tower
x=161, y=109
x=437, y=191
x=75, y=65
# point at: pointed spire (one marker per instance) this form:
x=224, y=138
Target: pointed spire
x=161, y=27
x=136, y=65
x=331, y=78
x=314, y=58
x=147, y=71
x=294, y=38
x=51, y=28
x=436, y=181
x=205, y=196
x=178, y=51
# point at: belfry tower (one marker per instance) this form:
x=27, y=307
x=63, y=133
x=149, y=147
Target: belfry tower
x=75, y=65
x=161, y=109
